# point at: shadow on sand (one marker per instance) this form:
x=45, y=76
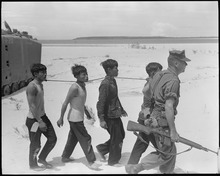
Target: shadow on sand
x=56, y=161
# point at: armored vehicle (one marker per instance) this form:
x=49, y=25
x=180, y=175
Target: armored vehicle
x=19, y=52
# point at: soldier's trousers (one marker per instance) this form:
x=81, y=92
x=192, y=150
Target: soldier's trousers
x=166, y=162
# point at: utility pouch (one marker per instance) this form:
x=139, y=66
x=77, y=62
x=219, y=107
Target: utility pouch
x=164, y=140
x=167, y=141
x=162, y=121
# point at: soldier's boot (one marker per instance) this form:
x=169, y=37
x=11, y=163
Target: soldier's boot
x=133, y=168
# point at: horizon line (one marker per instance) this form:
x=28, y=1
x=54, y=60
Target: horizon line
x=133, y=37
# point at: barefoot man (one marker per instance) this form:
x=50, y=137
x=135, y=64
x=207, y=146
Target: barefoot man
x=76, y=97
x=37, y=120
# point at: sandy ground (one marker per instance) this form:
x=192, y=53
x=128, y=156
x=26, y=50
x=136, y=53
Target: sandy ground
x=197, y=119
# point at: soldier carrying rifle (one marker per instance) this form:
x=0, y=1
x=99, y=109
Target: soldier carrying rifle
x=165, y=88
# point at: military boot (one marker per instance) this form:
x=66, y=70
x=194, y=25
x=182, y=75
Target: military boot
x=133, y=168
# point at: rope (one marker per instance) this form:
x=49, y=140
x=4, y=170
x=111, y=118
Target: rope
x=59, y=80
x=95, y=79
x=53, y=80
x=158, y=149
x=130, y=78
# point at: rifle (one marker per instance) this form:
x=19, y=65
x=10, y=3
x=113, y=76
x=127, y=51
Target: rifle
x=133, y=126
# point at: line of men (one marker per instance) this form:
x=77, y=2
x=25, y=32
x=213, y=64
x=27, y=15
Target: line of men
x=161, y=97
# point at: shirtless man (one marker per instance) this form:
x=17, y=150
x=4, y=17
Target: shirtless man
x=76, y=97
x=37, y=121
x=146, y=108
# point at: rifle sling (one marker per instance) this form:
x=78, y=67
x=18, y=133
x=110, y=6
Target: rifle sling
x=158, y=149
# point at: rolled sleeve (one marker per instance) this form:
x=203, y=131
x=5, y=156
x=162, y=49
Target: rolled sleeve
x=103, y=94
x=172, y=90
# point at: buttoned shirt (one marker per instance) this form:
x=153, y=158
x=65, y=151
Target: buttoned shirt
x=108, y=105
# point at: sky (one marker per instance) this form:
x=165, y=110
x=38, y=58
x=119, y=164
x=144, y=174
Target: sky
x=69, y=20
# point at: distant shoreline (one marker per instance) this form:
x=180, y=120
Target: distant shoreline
x=133, y=40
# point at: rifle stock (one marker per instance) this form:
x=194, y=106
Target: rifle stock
x=134, y=126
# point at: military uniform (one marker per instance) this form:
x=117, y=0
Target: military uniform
x=165, y=84
x=168, y=86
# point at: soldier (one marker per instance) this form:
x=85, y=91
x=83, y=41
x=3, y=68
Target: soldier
x=165, y=88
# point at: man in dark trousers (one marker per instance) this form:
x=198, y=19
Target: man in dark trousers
x=76, y=98
x=146, y=108
x=37, y=120
x=110, y=111
x=165, y=88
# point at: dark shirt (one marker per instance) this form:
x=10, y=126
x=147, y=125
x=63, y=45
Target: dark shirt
x=108, y=105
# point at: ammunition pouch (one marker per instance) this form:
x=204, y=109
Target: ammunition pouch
x=167, y=141
x=162, y=124
x=164, y=140
x=161, y=120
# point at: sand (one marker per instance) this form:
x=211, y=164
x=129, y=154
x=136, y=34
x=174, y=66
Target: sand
x=197, y=119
